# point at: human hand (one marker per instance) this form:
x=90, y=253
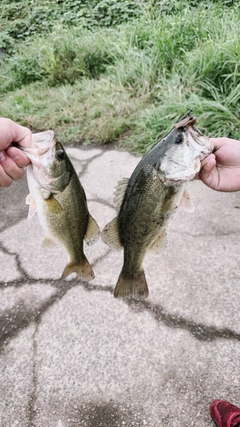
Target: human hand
x=12, y=159
x=221, y=169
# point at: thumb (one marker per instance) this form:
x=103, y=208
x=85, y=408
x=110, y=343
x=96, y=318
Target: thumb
x=22, y=135
x=208, y=165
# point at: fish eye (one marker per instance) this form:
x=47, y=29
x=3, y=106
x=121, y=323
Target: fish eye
x=60, y=155
x=179, y=139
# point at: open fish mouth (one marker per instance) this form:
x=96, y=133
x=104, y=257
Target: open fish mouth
x=187, y=119
x=42, y=143
x=42, y=155
x=182, y=161
x=195, y=138
x=198, y=142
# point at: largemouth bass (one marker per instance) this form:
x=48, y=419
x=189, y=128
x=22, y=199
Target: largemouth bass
x=58, y=198
x=147, y=201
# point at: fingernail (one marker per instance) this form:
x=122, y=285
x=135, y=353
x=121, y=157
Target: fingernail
x=2, y=156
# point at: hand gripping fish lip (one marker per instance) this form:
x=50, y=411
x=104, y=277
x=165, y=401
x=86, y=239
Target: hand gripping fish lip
x=188, y=121
x=195, y=138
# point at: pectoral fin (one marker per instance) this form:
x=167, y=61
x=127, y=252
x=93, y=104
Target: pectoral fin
x=32, y=206
x=93, y=231
x=186, y=203
x=110, y=235
x=53, y=205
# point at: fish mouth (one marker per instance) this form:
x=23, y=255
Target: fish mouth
x=187, y=120
x=198, y=141
x=42, y=143
x=195, y=138
x=41, y=154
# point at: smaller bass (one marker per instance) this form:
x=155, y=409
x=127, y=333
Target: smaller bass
x=58, y=198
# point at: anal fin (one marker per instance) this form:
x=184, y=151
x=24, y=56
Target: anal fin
x=110, y=235
x=93, y=231
x=160, y=245
x=48, y=242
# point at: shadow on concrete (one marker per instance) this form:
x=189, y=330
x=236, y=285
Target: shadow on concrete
x=21, y=316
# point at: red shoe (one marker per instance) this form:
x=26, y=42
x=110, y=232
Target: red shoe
x=224, y=414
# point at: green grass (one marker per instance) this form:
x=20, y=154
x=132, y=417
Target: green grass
x=129, y=83
x=90, y=110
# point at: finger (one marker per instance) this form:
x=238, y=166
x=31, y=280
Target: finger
x=207, y=172
x=22, y=135
x=10, y=167
x=223, y=141
x=218, y=142
x=13, y=132
x=18, y=156
x=5, y=180
x=209, y=163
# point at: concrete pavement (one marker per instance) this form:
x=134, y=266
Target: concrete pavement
x=72, y=355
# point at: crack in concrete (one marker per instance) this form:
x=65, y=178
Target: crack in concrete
x=20, y=269
x=102, y=202
x=19, y=317
x=198, y=330
x=31, y=406
x=85, y=163
x=14, y=320
x=217, y=234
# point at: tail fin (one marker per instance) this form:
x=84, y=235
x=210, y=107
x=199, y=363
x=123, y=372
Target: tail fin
x=83, y=269
x=131, y=286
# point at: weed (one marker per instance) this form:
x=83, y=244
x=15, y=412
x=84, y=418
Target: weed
x=127, y=76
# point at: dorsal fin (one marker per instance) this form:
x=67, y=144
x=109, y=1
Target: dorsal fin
x=119, y=192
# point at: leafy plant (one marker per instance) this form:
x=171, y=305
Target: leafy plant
x=120, y=72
